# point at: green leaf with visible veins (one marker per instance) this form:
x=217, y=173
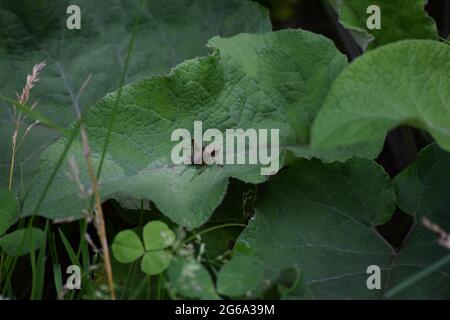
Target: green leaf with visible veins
x=239, y=276
x=22, y=242
x=9, y=210
x=170, y=31
x=271, y=80
x=423, y=190
x=400, y=20
x=401, y=83
x=321, y=219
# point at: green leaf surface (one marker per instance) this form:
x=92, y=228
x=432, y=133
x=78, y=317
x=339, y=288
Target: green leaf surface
x=367, y=149
x=127, y=247
x=423, y=191
x=22, y=242
x=170, y=31
x=401, y=83
x=272, y=80
x=400, y=20
x=155, y=262
x=9, y=210
x=239, y=276
x=190, y=279
x=157, y=236
x=321, y=219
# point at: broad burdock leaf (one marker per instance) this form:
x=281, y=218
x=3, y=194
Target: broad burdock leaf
x=9, y=210
x=264, y=81
x=22, y=242
x=423, y=190
x=170, y=31
x=320, y=219
x=190, y=279
x=402, y=83
x=400, y=20
x=239, y=276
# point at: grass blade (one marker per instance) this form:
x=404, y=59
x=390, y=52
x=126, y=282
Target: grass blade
x=418, y=276
x=56, y=266
x=39, y=274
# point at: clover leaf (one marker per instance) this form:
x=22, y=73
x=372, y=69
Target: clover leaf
x=155, y=262
x=157, y=236
x=127, y=247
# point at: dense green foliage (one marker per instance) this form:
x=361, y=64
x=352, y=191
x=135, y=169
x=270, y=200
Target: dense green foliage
x=121, y=85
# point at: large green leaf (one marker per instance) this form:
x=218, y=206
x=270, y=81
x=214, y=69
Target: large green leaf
x=400, y=20
x=321, y=219
x=9, y=210
x=401, y=83
x=272, y=80
x=423, y=190
x=170, y=31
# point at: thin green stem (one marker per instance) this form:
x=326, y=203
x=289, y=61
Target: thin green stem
x=160, y=280
x=149, y=288
x=2, y=258
x=56, y=168
x=227, y=225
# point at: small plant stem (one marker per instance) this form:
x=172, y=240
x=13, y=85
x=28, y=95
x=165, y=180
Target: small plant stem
x=149, y=278
x=13, y=263
x=227, y=225
x=101, y=230
x=11, y=169
x=121, y=84
x=2, y=257
x=94, y=177
x=99, y=217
